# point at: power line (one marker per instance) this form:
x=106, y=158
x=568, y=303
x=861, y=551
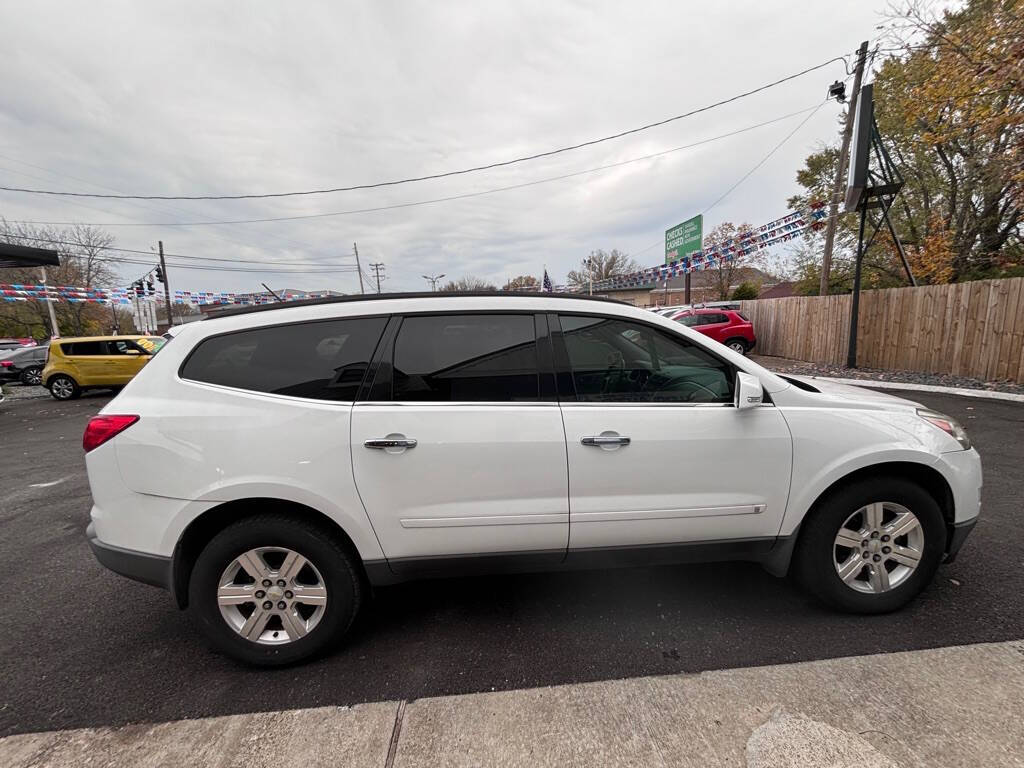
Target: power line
x=448, y=198
x=747, y=175
x=765, y=159
x=149, y=253
x=445, y=174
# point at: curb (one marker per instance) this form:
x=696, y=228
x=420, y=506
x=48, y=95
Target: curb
x=960, y=391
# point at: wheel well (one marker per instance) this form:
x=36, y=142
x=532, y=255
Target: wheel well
x=213, y=521
x=930, y=480
x=738, y=338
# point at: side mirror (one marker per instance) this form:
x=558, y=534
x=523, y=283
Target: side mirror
x=749, y=392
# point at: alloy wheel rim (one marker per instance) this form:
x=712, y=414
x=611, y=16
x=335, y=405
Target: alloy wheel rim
x=61, y=388
x=272, y=595
x=736, y=347
x=33, y=377
x=878, y=547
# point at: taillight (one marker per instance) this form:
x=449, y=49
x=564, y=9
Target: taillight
x=6, y=363
x=102, y=428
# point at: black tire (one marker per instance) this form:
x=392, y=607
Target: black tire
x=737, y=345
x=332, y=558
x=814, y=560
x=63, y=387
x=31, y=376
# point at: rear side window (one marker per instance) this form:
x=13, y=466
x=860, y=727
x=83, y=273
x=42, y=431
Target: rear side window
x=712, y=319
x=743, y=317
x=466, y=358
x=81, y=348
x=323, y=360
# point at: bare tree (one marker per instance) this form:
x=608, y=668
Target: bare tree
x=601, y=265
x=84, y=263
x=468, y=283
x=726, y=270
x=523, y=283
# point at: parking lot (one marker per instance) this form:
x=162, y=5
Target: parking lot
x=83, y=647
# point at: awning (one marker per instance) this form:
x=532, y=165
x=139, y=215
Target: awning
x=23, y=256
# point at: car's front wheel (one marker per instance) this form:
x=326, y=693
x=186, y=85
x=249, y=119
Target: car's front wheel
x=871, y=546
x=31, y=377
x=274, y=589
x=64, y=387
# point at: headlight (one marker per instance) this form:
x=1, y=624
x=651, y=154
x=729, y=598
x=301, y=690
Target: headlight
x=950, y=426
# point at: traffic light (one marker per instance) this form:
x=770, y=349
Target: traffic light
x=150, y=287
x=137, y=285
x=159, y=274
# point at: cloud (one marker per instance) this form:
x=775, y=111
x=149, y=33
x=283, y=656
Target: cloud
x=193, y=97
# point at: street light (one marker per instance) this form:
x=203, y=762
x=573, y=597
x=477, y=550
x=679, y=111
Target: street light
x=433, y=281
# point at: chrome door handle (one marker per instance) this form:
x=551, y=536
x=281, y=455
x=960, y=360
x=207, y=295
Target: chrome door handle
x=390, y=442
x=600, y=440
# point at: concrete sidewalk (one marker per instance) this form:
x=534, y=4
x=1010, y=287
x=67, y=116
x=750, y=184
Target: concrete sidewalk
x=957, y=706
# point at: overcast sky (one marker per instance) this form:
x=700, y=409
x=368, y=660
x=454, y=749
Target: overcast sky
x=251, y=97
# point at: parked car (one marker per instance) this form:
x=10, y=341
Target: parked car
x=728, y=326
x=8, y=344
x=272, y=464
x=95, y=362
x=24, y=365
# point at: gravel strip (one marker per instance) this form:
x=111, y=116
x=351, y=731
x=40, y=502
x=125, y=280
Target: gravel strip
x=22, y=392
x=800, y=368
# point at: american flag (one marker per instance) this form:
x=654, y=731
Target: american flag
x=547, y=287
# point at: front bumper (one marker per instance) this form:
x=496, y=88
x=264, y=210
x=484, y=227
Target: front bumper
x=957, y=537
x=140, y=566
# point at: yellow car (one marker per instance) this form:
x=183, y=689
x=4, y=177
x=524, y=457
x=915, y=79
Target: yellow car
x=95, y=362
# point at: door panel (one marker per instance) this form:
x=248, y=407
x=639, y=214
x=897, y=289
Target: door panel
x=484, y=478
x=689, y=473
x=658, y=454
x=464, y=456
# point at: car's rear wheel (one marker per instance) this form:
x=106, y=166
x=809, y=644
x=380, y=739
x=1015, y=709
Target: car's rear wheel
x=871, y=546
x=31, y=377
x=64, y=387
x=272, y=590
x=737, y=345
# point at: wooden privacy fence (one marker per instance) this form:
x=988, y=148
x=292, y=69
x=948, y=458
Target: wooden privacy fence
x=971, y=329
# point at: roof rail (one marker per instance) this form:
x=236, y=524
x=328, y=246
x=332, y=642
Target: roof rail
x=243, y=310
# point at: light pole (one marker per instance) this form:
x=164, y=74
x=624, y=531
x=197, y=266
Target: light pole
x=433, y=281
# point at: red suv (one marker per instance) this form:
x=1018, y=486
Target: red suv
x=728, y=326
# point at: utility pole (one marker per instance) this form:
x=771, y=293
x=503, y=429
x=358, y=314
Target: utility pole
x=167, y=284
x=432, y=280
x=377, y=269
x=54, y=328
x=844, y=159
x=359, y=269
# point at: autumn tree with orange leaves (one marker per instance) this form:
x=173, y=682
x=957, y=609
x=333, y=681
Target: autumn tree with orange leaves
x=949, y=101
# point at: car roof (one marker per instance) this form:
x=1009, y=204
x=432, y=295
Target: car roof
x=509, y=295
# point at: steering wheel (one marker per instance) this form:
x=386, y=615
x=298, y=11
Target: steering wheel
x=694, y=387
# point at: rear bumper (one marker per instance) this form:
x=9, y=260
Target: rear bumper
x=140, y=566
x=958, y=535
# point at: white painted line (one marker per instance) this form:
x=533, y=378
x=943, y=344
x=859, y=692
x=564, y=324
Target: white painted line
x=50, y=484
x=960, y=391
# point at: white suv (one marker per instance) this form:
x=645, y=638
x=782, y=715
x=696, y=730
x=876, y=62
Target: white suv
x=271, y=465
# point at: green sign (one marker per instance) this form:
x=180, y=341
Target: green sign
x=684, y=239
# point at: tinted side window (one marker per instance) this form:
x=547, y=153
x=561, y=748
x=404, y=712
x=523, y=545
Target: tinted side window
x=83, y=348
x=320, y=360
x=711, y=319
x=460, y=358
x=121, y=347
x=620, y=361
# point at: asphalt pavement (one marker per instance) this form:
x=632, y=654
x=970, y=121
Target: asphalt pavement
x=80, y=646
